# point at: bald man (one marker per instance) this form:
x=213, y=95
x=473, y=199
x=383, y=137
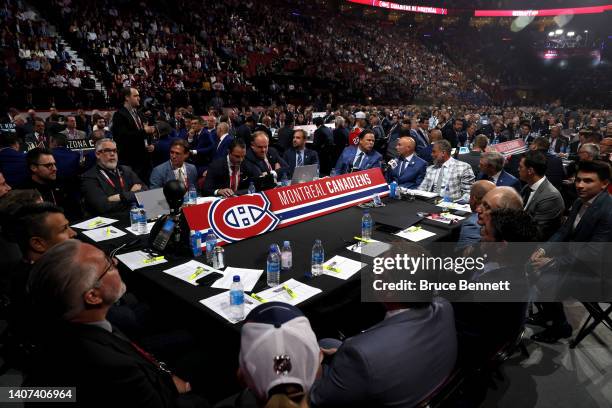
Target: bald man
x=470, y=229
x=499, y=197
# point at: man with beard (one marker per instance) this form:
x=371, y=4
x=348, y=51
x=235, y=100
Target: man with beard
x=108, y=187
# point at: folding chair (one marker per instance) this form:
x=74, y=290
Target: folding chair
x=596, y=316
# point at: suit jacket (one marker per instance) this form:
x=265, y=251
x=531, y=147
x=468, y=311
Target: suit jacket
x=95, y=191
x=106, y=369
x=244, y=132
x=218, y=176
x=505, y=179
x=458, y=177
x=425, y=154
x=555, y=173
x=285, y=138
x=310, y=157
x=346, y=159
x=130, y=140
x=322, y=138
x=13, y=166
x=562, y=141
x=499, y=137
x=68, y=163
x=221, y=149
x=470, y=232
x=164, y=173
x=31, y=138
x=161, y=153
x=412, y=175
x=205, y=148
x=472, y=158
x=546, y=208
x=379, y=132
x=384, y=365
x=79, y=134
x=256, y=166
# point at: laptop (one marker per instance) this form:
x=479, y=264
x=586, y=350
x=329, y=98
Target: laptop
x=304, y=174
x=154, y=202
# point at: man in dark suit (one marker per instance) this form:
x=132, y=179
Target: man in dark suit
x=38, y=137
x=205, y=145
x=67, y=161
x=285, y=135
x=108, y=187
x=555, y=173
x=465, y=138
x=222, y=142
x=589, y=222
x=408, y=170
x=473, y=156
x=452, y=133
x=73, y=286
x=132, y=135
x=558, y=142
x=228, y=176
x=299, y=155
x=264, y=160
x=244, y=131
x=12, y=160
x=540, y=198
x=499, y=134
x=323, y=142
x=360, y=157
x=378, y=130
x=492, y=169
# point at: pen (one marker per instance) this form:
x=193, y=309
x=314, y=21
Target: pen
x=153, y=259
x=108, y=231
x=367, y=241
x=258, y=298
x=332, y=267
x=197, y=273
x=414, y=228
x=289, y=292
x=96, y=223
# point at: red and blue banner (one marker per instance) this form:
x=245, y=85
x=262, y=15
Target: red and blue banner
x=237, y=218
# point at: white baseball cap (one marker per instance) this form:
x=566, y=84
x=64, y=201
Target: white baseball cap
x=360, y=115
x=278, y=346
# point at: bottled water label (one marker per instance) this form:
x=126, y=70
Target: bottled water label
x=236, y=297
x=286, y=260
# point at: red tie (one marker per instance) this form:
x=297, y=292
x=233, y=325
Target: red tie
x=234, y=178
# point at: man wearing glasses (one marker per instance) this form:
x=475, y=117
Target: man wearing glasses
x=109, y=187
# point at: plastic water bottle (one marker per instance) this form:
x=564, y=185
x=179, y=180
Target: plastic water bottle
x=251, y=188
x=211, y=243
x=273, y=267
x=393, y=189
x=366, y=225
x=318, y=257
x=134, y=218
x=446, y=196
x=196, y=243
x=286, y=257
x=142, y=220
x=193, y=195
x=236, y=300
x=285, y=181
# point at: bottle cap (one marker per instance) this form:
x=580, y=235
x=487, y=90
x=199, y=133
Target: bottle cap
x=286, y=243
x=236, y=278
x=273, y=248
x=317, y=241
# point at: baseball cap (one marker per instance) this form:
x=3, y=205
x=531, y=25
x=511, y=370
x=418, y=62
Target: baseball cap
x=278, y=346
x=360, y=115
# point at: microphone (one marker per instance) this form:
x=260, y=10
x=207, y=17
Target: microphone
x=391, y=164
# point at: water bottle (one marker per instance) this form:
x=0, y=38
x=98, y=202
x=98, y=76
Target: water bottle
x=251, y=188
x=285, y=181
x=286, y=257
x=446, y=196
x=196, y=243
x=218, y=261
x=236, y=311
x=142, y=220
x=318, y=256
x=393, y=189
x=134, y=217
x=193, y=195
x=316, y=175
x=273, y=267
x=211, y=243
x=366, y=225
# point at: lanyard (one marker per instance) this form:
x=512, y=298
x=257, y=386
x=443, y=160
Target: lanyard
x=109, y=181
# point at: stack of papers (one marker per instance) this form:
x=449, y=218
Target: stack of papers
x=96, y=222
x=104, y=233
x=149, y=226
x=292, y=292
x=341, y=267
x=445, y=218
x=220, y=304
x=371, y=248
x=139, y=259
x=455, y=206
x=191, y=271
x=415, y=234
x=419, y=193
x=248, y=278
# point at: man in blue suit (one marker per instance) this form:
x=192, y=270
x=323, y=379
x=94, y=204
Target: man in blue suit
x=299, y=155
x=12, y=160
x=408, y=170
x=176, y=168
x=67, y=161
x=205, y=146
x=222, y=142
x=492, y=169
x=360, y=157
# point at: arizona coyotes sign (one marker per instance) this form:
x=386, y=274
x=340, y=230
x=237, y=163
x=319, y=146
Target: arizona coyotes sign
x=237, y=218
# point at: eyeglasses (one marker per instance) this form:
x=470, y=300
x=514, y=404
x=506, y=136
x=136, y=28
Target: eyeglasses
x=112, y=263
x=47, y=165
x=107, y=151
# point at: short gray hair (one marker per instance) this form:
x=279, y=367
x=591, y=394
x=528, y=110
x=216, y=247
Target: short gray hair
x=495, y=159
x=444, y=145
x=105, y=140
x=339, y=121
x=59, y=280
x=592, y=149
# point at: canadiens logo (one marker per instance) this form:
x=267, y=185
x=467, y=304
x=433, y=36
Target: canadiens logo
x=242, y=217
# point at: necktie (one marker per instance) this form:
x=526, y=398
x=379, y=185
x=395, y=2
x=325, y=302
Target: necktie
x=136, y=119
x=357, y=164
x=300, y=159
x=581, y=211
x=183, y=179
x=402, y=167
x=234, y=178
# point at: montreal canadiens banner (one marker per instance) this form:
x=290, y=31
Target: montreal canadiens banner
x=237, y=218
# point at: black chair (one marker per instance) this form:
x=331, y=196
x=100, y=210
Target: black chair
x=597, y=315
x=445, y=391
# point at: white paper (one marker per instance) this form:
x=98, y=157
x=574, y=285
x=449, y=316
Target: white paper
x=92, y=223
x=415, y=234
x=220, y=304
x=104, y=233
x=455, y=206
x=248, y=278
x=343, y=267
x=371, y=248
x=149, y=226
x=138, y=259
x=445, y=218
x=280, y=294
x=419, y=193
x=201, y=200
x=189, y=272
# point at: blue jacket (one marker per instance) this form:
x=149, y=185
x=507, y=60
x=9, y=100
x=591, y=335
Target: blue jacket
x=504, y=179
x=13, y=166
x=164, y=173
x=412, y=175
x=68, y=163
x=346, y=159
x=310, y=157
x=223, y=147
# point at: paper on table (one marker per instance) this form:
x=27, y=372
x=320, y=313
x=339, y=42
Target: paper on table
x=221, y=306
x=94, y=223
x=104, y=233
x=415, y=234
x=419, y=193
x=291, y=291
x=201, y=200
x=455, y=206
x=248, y=278
x=445, y=218
x=139, y=259
x=371, y=248
x=149, y=226
x=191, y=271
x=341, y=267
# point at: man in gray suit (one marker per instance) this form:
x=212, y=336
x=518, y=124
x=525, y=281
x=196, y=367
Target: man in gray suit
x=71, y=130
x=540, y=198
x=176, y=168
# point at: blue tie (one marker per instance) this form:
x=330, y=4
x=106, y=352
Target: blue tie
x=358, y=162
x=300, y=159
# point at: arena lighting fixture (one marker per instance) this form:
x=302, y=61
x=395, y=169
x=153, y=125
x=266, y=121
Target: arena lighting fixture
x=551, y=34
x=559, y=31
x=571, y=33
